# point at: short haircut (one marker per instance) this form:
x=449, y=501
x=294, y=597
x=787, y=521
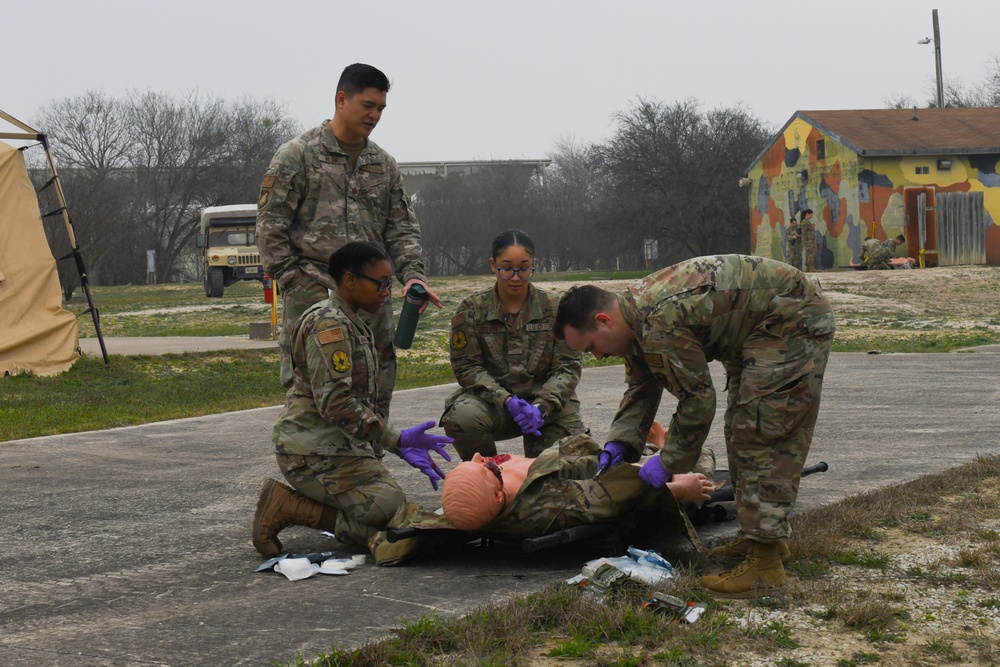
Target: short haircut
x=806, y=212
x=355, y=78
x=578, y=306
x=901, y=239
x=353, y=258
x=512, y=237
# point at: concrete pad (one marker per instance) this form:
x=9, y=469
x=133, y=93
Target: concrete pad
x=131, y=546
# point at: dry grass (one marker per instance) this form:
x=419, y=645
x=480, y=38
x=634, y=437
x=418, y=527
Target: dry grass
x=935, y=600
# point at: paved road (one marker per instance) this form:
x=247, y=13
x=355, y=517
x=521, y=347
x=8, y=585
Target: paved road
x=169, y=344
x=131, y=546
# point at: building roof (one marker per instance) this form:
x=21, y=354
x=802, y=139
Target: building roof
x=911, y=131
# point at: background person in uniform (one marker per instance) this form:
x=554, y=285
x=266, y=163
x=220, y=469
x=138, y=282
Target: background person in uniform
x=329, y=186
x=514, y=377
x=329, y=438
x=772, y=328
x=808, y=241
x=876, y=254
x=793, y=244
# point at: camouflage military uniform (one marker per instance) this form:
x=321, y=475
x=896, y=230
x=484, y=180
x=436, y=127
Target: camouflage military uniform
x=311, y=203
x=793, y=245
x=875, y=254
x=560, y=492
x=808, y=244
x=329, y=438
x=772, y=329
x=494, y=356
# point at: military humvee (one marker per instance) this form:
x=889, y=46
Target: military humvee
x=228, y=236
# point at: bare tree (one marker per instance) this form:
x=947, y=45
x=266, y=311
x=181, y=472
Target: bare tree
x=570, y=203
x=89, y=143
x=670, y=174
x=461, y=214
x=138, y=170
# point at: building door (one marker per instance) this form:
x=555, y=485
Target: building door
x=921, y=224
x=961, y=228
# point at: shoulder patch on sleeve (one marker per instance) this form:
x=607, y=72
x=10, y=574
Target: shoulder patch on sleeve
x=653, y=360
x=334, y=335
x=458, y=340
x=268, y=181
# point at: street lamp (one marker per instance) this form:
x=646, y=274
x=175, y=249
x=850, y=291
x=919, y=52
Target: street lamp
x=937, y=58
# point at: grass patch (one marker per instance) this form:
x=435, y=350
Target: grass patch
x=137, y=390
x=923, y=341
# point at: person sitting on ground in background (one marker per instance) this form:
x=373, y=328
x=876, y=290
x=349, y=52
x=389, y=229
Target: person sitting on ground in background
x=869, y=247
x=330, y=436
x=876, y=255
x=514, y=377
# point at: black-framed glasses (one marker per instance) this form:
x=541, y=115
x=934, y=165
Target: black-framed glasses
x=492, y=466
x=380, y=285
x=505, y=273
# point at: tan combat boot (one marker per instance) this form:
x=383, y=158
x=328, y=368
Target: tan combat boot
x=760, y=570
x=280, y=506
x=739, y=548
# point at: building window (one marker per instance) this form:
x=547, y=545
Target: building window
x=923, y=170
x=821, y=149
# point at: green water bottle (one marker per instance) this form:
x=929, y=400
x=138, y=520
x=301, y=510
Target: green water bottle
x=415, y=298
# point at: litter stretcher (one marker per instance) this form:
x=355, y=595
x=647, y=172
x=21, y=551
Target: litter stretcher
x=615, y=535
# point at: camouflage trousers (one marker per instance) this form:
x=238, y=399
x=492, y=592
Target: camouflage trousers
x=477, y=425
x=793, y=253
x=305, y=292
x=809, y=252
x=361, y=488
x=768, y=434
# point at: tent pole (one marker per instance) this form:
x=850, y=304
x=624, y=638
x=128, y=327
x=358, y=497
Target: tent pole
x=77, y=257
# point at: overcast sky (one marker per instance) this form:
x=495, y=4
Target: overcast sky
x=506, y=79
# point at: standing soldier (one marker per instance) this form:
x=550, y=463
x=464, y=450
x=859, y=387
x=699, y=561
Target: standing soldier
x=808, y=241
x=515, y=378
x=793, y=244
x=772, y=329
x=325, y=188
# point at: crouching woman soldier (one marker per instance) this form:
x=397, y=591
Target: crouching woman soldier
x=329, y=438
x=515, y=378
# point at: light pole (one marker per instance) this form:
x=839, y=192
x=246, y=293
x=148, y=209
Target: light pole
x=937, y=58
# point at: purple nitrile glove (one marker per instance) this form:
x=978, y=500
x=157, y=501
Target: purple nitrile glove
x=527, y=416
x=422, y=461
x=417, y=436
x=613, y=454
x=654, y=474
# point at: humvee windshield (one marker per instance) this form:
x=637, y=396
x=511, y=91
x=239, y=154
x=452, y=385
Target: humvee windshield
x=231, y=237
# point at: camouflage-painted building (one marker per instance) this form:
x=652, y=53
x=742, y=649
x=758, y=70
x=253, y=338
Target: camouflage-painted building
x=929, y=174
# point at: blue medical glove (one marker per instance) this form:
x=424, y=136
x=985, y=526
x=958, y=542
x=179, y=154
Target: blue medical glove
x=654, y=474
x=527, y=416
x=422, y=461
x=613, y=454
x=417, y=436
